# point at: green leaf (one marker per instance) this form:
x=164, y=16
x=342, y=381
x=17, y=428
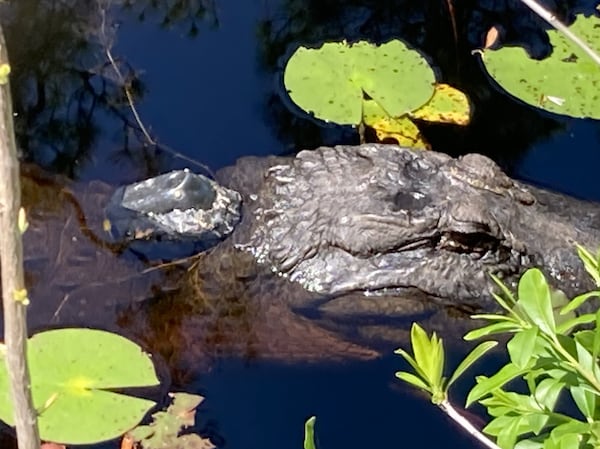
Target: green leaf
x=71, y=371
x=573, y=426
x=578, y=301
x=529, y=444
x=487, y=385
x=535, y=300
x=471, y=358
x=507, y=437
x=507, y=294
x=590, y=263
x=427, y=354
x=584, y=357
x=521, y=346
x=492, y=329
x=569, y=441
x=536, y=422
x=494, y=317
x=596, y=348
x=412, y=362
x=585, y=401
x=566, y=327
x=547, y=393
x=330, y=81
x=563, y=83
x=559, y=301
x=506, y=429
x=309, y=433
x=413, y=380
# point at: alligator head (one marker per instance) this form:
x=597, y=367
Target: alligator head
x=382, y=219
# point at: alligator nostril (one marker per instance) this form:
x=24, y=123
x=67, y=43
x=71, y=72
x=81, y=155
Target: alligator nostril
x=409, y=201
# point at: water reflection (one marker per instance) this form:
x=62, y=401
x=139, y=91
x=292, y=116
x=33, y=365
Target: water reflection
x=70, y=90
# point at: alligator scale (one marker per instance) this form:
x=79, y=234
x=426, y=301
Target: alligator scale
x=347, y=241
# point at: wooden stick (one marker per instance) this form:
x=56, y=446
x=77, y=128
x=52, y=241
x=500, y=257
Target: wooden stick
x=14, y=295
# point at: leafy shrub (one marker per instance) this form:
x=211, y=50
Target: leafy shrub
x=548, y=351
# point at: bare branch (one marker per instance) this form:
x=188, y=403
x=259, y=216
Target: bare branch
x=14, y=295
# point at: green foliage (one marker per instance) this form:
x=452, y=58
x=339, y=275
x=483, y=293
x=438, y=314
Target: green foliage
x=309, y=433
x=550, y=361
x=564, y=83
x=164, y=431
x=72, y=371
x=379, y=86
x=428, y=363
x=330, y=81
x=549, y=355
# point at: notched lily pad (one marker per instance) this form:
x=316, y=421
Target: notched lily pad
x=71, y=369
x=330, y=82
x=565, y=83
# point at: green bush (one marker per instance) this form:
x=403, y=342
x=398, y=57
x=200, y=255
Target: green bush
x=549, y=352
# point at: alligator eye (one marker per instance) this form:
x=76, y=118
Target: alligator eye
x=471, y=242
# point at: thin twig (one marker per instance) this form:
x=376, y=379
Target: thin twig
x=131, y=103
x=552, y=20
x=466, y=424
x=14, y=295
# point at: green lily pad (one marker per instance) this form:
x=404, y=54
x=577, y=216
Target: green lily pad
x=71, y=369
x=330, y=82
x=564, y=83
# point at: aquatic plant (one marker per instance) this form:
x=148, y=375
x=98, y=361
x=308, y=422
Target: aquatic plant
x=382, y=86
x=73, y=372
x=165, y=429
x=564, y=83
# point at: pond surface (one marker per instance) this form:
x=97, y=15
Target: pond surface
x=213, y=98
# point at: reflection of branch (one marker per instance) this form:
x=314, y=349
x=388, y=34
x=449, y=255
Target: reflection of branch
x=130, y=101
x=552, y=20
x=121, y=79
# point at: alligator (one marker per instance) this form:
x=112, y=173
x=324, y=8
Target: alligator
x=386, y=220
x=338, y=250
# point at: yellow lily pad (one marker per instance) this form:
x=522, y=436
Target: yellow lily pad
x=447, y=105
x=401, y=129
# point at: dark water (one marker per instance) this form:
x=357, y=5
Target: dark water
x=213, y=98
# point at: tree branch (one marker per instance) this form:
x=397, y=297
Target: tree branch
x=11, y=257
